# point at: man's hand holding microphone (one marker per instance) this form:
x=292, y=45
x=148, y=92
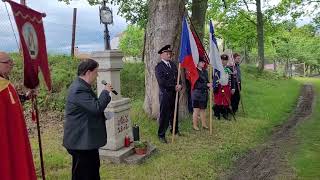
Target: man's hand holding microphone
x=108, y=87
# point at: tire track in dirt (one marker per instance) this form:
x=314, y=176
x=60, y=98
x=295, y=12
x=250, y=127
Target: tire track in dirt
x=268, y=161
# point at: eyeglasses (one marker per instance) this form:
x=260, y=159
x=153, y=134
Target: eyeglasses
x=10, y=61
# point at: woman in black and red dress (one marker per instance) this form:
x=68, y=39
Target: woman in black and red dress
x=200, y=96
x=223, y=88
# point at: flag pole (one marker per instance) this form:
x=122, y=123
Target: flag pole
x=210, y=74
x=210, y=97
x=194, y=30
x=176, y=106
x=36, y=116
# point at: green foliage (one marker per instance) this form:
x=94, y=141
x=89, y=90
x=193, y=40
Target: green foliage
x=132, y=80
x=63, y=72
x=299, y=8
x=283, y=40
x=131, y=42
x=293, y=43
x=140, y=144
x=236, y=24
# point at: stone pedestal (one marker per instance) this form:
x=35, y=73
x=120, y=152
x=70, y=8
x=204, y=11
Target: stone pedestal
x=118, y=121
x=119, y=124
x=117, y=113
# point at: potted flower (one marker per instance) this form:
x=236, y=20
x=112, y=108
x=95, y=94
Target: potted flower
x=140, y=147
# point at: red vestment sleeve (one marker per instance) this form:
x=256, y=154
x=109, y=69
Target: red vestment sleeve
x=16, y=162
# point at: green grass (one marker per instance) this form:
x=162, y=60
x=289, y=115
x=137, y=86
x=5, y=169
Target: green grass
x=306, y=160
x=268, y=101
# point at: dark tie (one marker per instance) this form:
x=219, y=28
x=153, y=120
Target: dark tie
x=168, y=64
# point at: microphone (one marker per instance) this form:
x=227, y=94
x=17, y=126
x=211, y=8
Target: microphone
x=113, y=91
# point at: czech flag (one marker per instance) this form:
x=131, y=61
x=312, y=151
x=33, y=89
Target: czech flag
x=189, y=54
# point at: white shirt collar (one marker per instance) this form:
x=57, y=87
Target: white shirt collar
x=166, y=62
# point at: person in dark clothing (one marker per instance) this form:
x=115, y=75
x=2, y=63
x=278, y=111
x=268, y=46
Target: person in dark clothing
x=84, y=126
x=200, y=96
x=223, y=90
x=166, y=73
x=188, y=91
x=235, y=98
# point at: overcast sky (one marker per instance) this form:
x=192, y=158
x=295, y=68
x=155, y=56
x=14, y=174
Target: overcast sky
x=58, y=25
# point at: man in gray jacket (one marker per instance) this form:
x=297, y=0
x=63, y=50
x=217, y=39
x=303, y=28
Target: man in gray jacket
x=84, y=127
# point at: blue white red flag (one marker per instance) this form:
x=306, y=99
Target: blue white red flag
x=215, y=60
x=189, y=54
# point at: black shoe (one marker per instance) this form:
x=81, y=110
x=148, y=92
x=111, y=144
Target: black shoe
x=226, y=117
x=163, y=140
x=179, y=134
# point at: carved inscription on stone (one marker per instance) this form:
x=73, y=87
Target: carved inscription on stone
x=123, y=123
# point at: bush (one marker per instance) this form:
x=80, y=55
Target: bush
x=63, y=71
x=132, y=80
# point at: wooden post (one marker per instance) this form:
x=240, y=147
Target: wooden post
x=23, y=2
x=73, y=31
x=34, y=101
x=35, y=110
x=176, y=106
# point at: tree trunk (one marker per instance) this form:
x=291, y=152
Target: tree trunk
x=311, y=69
x=260, y=36
x=163, y=27
x=246, y=55
x=286, y=68
x=199, y=9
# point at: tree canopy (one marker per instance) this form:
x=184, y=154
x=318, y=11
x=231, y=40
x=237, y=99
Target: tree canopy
x=131, y=41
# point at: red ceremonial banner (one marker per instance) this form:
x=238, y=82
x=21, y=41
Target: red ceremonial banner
x=33, y=42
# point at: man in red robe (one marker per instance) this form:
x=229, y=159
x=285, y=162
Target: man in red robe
x=16, y=161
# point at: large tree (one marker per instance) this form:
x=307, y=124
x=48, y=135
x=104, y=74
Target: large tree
x=260, y=36
x=162, y=22
x=163, y=27
x=199, y=9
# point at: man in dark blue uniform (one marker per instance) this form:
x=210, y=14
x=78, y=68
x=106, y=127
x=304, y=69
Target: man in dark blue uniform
x=166, y=74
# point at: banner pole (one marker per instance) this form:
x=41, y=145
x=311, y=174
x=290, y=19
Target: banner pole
x=35, y=104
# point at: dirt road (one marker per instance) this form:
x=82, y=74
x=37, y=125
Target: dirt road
x=269, y=161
